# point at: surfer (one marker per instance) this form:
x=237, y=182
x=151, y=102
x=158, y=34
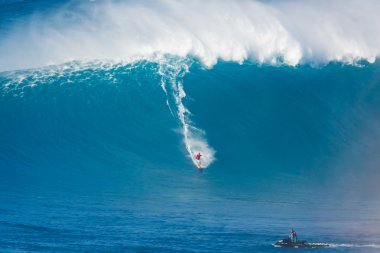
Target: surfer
x=198, y=158
x=293, y=236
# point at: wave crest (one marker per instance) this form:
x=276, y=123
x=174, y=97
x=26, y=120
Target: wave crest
x=273, y=32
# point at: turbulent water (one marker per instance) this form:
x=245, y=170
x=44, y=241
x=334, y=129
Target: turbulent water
x=104, y=104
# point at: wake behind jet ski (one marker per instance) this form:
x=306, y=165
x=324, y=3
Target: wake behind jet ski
x=293, y=242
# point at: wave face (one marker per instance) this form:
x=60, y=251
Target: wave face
x=253, y=120
x=290, y=32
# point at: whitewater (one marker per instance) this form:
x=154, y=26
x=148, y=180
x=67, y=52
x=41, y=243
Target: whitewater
x=290, y=32
x=104, y=105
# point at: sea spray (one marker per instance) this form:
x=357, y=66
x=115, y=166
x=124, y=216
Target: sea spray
x=267, y=32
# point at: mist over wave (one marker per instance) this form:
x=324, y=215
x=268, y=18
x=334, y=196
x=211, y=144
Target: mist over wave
x=290, y=32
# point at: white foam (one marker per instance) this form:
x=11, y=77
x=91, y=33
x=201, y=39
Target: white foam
x=287, y=31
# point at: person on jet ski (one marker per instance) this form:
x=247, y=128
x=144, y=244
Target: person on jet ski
x=293, y=236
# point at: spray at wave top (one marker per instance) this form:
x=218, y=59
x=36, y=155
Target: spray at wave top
x=287, y=31
x=194, y=138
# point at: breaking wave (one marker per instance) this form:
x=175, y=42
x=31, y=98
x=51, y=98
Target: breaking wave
x=271, y=32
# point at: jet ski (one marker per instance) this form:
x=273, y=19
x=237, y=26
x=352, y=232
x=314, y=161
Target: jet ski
x=299, y=244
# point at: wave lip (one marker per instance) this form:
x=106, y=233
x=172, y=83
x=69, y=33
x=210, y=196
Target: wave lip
x=288, y=32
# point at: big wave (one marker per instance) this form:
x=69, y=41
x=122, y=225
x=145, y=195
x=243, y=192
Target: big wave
x=112, y=42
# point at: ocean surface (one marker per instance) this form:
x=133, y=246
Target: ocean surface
x=97, y=153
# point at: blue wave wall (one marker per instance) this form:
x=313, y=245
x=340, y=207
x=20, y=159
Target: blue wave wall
x=265, y=123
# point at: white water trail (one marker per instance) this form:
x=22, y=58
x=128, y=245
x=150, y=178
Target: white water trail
x=194, y=138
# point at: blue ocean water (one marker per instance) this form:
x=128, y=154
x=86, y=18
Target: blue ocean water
x=97, y=156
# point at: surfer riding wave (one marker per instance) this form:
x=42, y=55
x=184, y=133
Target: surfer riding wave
x=198, y=159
